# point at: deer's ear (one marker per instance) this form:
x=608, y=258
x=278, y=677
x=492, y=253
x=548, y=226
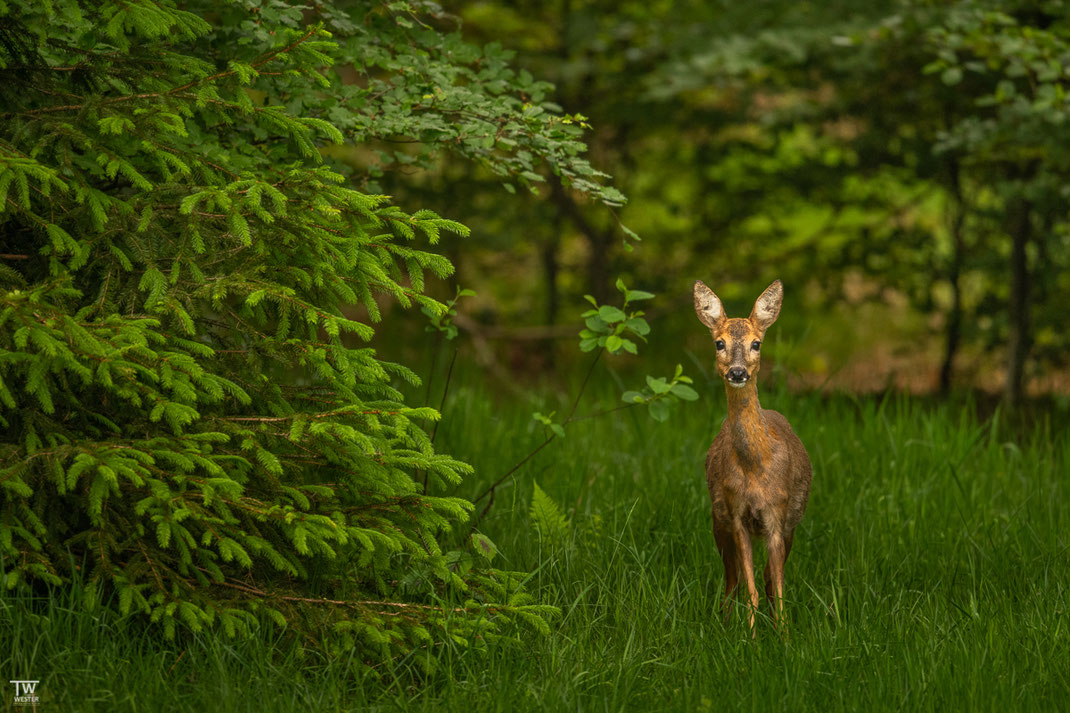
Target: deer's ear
x=767, y=306
x=708, y=306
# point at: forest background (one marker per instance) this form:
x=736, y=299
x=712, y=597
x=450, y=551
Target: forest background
x=876, y=159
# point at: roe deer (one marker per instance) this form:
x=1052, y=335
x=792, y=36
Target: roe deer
x=757, y=469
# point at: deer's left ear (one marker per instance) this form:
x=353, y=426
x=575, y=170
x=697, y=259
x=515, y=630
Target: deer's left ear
x=767, y=306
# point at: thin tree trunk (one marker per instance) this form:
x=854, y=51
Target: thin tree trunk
x=550, y=269
x=575, y=93
x=953, y=334
x=597, y=240
x=598, y=264
x=1018, y=343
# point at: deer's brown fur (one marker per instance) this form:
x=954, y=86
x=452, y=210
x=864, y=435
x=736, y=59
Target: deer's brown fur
x=757, y=469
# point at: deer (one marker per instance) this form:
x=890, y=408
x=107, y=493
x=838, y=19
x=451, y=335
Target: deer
x=757, y=469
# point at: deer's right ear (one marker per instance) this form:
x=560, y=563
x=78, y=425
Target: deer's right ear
x=708, y=306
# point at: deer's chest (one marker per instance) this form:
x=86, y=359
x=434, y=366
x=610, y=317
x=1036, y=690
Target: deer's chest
x=760, y=505
x=753, y=500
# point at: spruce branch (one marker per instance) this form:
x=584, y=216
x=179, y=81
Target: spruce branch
x=176, y=90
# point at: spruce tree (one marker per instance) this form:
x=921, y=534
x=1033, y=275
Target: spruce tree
x=192, y=422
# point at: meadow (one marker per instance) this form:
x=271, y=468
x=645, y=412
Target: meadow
x=930, y=573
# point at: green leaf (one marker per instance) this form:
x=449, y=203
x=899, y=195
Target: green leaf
x=630, y=233
x=596, y=324
x=638, y=325
x=484, y=546
x=610, y=314
x=659, y=385
x=684, y=392
x=659, y=410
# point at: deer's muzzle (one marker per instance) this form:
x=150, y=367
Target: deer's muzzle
x=737, y=376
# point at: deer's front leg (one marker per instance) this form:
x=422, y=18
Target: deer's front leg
x=744, y=553
x=727, y=547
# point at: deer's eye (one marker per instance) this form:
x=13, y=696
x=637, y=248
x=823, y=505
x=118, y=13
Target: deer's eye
x=756, y=345
x=720, y=345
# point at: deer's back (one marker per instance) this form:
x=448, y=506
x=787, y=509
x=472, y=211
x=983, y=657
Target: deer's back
x=769, y=485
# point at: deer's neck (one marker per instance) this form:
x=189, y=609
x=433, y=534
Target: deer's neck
x=746, y=425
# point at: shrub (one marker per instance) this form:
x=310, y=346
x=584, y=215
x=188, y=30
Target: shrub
x=192, y=420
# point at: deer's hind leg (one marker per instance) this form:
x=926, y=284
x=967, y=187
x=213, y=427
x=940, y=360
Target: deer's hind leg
x=769, y=589
x=777, y=548
x=727, y=547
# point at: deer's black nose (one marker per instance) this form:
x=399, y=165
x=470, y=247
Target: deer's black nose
x=737, y=374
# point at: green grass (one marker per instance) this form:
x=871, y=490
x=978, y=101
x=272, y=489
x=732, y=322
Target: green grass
x=930, y=573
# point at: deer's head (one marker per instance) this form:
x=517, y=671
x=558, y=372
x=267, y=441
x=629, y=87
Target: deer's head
x=738, y=341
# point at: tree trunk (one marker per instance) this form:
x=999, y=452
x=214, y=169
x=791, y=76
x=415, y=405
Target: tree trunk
x=597, y=240
x=550, y=269
x=953, y=333
x=1018, y=343
x=954, y=318
x=598, y=264
x=575, y=93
